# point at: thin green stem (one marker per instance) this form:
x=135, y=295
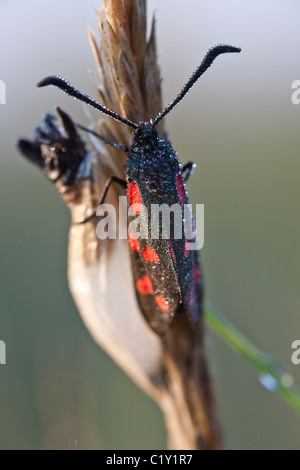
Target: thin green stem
x=274, y=376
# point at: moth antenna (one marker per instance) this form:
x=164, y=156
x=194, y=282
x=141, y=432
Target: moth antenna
x=65, y=86
x=205, y=64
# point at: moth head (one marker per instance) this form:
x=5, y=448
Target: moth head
x=145, y=132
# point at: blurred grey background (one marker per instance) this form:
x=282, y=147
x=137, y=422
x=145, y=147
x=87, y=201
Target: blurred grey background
x=58, y=389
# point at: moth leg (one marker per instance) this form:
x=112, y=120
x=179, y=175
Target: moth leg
x=187, y=170
x=106, y=141
x=112, y=179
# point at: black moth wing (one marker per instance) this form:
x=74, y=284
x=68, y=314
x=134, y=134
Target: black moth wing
x=156, y=283
x=164, y=270
x=167, y=276
x=194, y=304
x=187, y=262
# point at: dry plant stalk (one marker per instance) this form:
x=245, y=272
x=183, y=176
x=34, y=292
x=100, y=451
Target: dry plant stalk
x=173, y=368
x=176, y=373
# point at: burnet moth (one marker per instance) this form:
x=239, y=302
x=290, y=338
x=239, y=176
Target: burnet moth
x=167, y=275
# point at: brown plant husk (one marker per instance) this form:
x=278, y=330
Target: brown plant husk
x=173, y=368
x=130, y=85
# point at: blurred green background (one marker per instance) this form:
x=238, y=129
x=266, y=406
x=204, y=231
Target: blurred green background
x=58, y=389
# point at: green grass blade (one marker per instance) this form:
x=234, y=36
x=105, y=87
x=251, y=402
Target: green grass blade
x=272, y=374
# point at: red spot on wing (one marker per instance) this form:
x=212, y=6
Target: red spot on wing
x=144, y=285
x=192, y=296
x=162, y=303
x=180, y=188
x=135, y=198
x=197, y=274
x=171, y=250
x=197, y=279
x=134, y=242
x=150, y=255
